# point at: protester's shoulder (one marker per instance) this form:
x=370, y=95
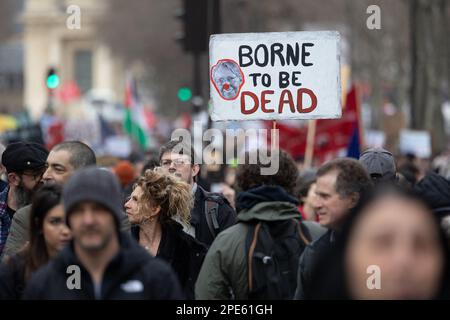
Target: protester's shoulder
x=43, y=277
x=22, y=213
x=194, y=244
x=43, y=281
x=56, y=267
x=233, y=231
x=319, y=243
x=12, y=264
x=230, y=237
x=315, y=230
x=16, y=260
x=227, y=215
x=185, y=239
x=25, y=209
x=212, y=196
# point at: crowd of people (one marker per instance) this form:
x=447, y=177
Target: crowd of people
x=74, y=228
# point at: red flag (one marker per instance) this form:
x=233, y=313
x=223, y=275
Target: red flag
x=332, y=135
x=69, y=92
x=55, y=134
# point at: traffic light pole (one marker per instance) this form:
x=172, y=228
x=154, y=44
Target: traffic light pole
x=50, y=100
x=197, y=84
x=201, y=18
x=214, y=26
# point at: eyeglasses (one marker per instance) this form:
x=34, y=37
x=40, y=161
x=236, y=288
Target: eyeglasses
x=176, y=163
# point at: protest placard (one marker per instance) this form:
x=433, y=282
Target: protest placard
x=274, y=76
x=416, y=142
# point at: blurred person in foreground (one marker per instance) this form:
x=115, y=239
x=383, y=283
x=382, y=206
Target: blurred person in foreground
x=391, y=248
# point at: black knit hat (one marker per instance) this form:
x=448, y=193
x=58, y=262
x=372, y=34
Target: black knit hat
x=436, y=190
x=93, y=184
x=21, y=156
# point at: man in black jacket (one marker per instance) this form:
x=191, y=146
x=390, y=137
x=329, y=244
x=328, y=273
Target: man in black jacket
x=100, y=262
x=340, y=184
x=436, y=190
x=177, y=158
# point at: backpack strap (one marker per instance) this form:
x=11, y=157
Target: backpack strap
x=250, y=255
x=211, y=213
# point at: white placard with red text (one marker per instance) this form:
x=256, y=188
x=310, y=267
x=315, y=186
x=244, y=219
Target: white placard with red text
x=275, y=76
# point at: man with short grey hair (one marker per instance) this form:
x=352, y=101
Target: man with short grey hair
x=339, y=186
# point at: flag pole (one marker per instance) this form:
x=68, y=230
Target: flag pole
x=310, y=140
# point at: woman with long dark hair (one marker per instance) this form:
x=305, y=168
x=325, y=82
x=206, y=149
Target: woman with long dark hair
x=48, y=235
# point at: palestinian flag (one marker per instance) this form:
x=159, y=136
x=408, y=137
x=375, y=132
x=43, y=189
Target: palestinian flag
x=135, y=124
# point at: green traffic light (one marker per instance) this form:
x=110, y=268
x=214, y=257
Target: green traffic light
x=184, y=94
x=52, y=81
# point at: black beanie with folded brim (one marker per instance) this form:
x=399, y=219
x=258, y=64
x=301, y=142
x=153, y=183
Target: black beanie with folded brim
x=93, y=184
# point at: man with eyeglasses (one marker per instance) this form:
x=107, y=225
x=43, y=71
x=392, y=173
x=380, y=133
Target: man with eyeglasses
x=211, y=213
x=25, y=163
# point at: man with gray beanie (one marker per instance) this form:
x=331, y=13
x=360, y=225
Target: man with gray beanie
x=100, y=262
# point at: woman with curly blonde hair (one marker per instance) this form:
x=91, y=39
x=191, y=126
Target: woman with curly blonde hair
x=158, y=209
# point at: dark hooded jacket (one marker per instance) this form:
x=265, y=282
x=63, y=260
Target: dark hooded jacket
x=308, y=262
x=131, y=274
